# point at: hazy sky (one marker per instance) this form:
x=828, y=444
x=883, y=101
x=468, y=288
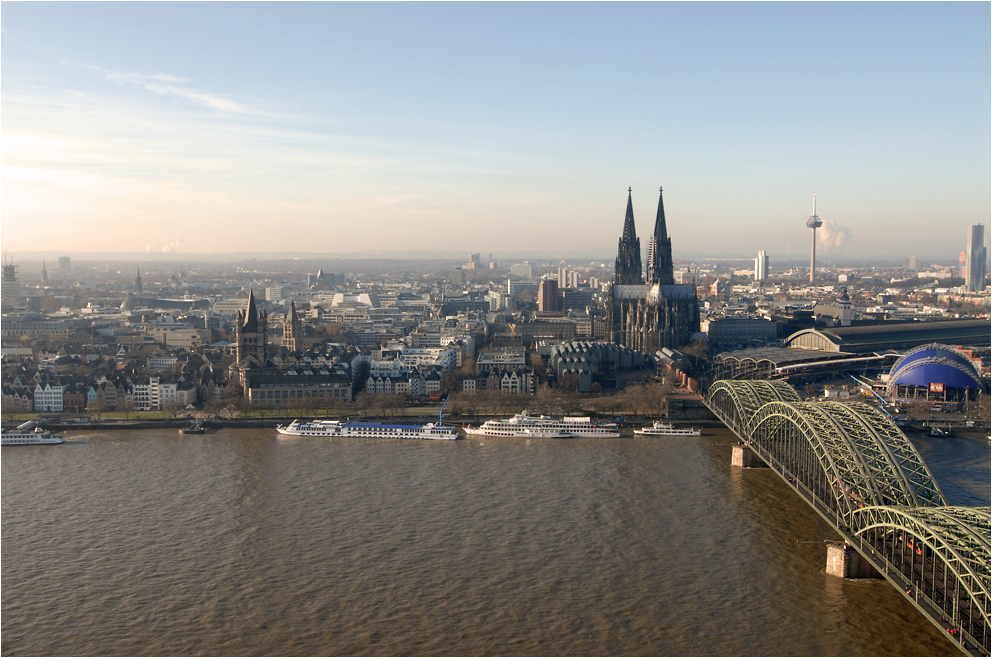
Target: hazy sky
x=341, y=127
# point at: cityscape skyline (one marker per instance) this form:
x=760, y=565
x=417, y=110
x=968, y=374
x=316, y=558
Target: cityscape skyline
x=442, y=128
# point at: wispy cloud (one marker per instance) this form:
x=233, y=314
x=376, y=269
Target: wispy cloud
x=171, y=85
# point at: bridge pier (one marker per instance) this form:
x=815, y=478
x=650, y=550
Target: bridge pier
x=845, y=562
x=744, y=457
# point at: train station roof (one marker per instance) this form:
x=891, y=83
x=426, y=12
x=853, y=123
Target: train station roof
x=778, y=356
x=893, y=335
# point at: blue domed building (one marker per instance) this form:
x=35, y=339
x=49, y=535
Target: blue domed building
x=935, y=369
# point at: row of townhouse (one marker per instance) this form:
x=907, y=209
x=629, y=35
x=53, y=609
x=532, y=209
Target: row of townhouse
x=146, y=394
x=50, y=396
x=413, y=383
x=504, y=380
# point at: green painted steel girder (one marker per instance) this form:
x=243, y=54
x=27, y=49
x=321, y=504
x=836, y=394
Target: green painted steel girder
x=960, y=537
x=857, y=462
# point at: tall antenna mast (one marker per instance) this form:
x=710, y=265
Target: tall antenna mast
x=814, y=223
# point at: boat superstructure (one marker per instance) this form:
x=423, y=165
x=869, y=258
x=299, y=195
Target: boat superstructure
x=334, y=428
x=369, y=430
x=660, y=428
x=29, y=434
x=525, y=425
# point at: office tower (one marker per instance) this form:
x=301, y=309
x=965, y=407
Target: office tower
x=523, y=270
x=548, y=296
x=761, y=267
x=65, y=265
x=975, y=259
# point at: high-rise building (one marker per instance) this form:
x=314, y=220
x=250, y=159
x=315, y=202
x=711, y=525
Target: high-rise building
x=911, y=263
x=548, y=296
x=523, y=270
x=761, y=266
x=10, y=291
x=65, y=265
x=976, y=259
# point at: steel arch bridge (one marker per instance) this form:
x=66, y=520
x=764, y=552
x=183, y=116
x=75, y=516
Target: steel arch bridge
x=856, y=468
x=945, y=552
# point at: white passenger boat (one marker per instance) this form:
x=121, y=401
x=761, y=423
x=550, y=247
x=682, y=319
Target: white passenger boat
x=336, y=429
x=368, y=430
x=525, y=425
x=29, y=434
x=667, y=429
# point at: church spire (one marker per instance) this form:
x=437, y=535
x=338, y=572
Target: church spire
x=249, y=322
x=628, y=265
x=660, y=269
x=137, y=280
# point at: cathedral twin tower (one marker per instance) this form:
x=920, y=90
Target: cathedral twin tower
x=656, y=313
x=628, y=268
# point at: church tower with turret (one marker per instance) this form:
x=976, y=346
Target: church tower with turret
x=251, y=334
x=292, y=329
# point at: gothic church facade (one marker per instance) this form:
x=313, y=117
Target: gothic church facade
x=652, y=313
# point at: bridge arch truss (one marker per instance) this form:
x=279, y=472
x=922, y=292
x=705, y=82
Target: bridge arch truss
x=943, y=554
x=856, y=468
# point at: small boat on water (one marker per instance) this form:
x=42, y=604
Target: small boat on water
x=939, y=432
x=29, y=434
x=194, y=426
x=660, y=428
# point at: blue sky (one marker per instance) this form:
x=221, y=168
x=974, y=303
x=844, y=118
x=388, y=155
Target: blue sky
x=343, y=127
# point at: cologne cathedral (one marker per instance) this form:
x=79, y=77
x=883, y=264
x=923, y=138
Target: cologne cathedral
x=647, y=315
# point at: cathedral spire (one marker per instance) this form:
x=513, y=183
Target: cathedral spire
x=137, y=280
x=660, y=269
x=628, y=265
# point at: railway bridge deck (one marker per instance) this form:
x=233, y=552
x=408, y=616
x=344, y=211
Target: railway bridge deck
x=860, y=473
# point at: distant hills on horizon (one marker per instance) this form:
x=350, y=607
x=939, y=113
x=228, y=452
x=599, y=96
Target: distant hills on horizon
x=452, y=258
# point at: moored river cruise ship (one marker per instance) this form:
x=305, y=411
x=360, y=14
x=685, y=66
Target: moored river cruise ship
x=667, y=429
x=337, y=429
x=30, y=435
x=525, y=425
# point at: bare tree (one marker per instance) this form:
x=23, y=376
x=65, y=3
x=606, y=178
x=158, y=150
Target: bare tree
x=363, y=402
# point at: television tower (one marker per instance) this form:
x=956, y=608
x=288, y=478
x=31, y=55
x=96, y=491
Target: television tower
x=814, y=223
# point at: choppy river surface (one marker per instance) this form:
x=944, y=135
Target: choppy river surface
x=240, y=542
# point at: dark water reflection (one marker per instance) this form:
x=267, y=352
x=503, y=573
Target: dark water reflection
x=240, y=542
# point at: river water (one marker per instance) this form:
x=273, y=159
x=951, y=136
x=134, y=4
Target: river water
x=241, y=542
